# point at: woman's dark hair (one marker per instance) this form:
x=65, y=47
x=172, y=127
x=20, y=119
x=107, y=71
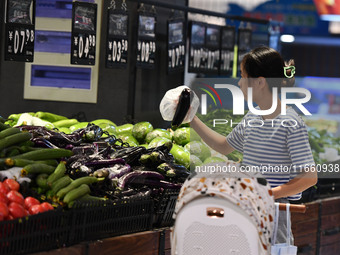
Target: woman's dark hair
x=268, y=63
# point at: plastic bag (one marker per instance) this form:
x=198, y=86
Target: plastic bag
x=169, y=103
x=282, y=248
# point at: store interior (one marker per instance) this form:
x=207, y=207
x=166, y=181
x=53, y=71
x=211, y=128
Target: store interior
x=129, y=92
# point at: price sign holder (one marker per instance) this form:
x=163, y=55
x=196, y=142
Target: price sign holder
x=227, y=50
x=146, y=38
x=117, y=36
x=176, y=44
x=213, y=46
x=83, y=39
x=197, y=50
x=243, y=42
x=20, y=30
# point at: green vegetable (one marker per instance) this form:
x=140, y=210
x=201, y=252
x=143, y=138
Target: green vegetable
x=78, y=126
x=60, y=183
x=76, y=193
x=65, y=123
x=213, y=160
x=181, y=155
x=158, y=132
x=158, y=141
x=182, y=136
x=37, y=168
x=128, y=138
x=141, y=129
x=14, y=139
x=198, y=149
x=111, y=129
x=43, y=154
x=100, y=121
x=65, y=130
x=75, y=184
x=57, y=174
x=126, y=128
x=194, y=161
x=8, y=132
x=41, y=181
x=51, y=117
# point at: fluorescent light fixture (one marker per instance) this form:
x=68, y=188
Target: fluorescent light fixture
x=287, y=38
x=330, y=17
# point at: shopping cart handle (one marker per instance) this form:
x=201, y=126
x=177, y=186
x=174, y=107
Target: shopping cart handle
x=293, y=208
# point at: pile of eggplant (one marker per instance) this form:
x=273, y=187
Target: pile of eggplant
x=127, y=171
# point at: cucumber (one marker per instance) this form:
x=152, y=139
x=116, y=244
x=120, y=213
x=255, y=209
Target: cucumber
x=14, y=139
x=65, y=123
x=8, y=132
x=3, y=126
x=45, y=154
x=41, y=181
x=60, y=183
x=24, y=162
x=75, y=184
x=37, y=168
x=78, y=192
x=58, y=173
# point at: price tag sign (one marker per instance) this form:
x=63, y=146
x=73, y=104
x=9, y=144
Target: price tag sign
x=227, y=50
x=146, y=41
x=243, y=43
x=198, y=53
x=117, y=39
x=176, y=45
x=83, y=40
x=213, y=46
x=20, y=30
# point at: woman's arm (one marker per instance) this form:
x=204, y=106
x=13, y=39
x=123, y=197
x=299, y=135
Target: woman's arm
x=298, y=184
x=213, y=139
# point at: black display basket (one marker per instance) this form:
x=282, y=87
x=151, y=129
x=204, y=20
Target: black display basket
x=101, y=219
x=164, y=208
x=41, y=232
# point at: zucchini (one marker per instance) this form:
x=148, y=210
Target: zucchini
x=58, y=173
x=60, y=183
x=76, y=193
x=8, y=132
x=37, y=168
x=75, y=184
x=13, y=152
x=45, y=154
x=41, y=181
x=14, y=139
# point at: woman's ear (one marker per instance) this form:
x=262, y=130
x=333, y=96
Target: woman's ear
x=262, y=82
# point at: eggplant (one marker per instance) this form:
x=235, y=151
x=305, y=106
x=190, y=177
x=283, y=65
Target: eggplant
x=133, y=176
x=130, y=154
x=87, y=149
x=105, y=162
x=157, y=183
x=182, y=108
x=173, y=170
x=118, y=171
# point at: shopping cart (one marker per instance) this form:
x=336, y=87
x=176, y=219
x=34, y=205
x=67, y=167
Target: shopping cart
x=219, y=225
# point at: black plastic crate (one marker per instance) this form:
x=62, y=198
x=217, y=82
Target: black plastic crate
x=41, y=232
x=164, y=208
x=96, y=220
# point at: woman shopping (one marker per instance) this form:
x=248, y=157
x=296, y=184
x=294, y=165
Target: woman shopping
x=271, y=145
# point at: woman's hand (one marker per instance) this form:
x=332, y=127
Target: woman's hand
x=299, y=184
x=213, y=139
